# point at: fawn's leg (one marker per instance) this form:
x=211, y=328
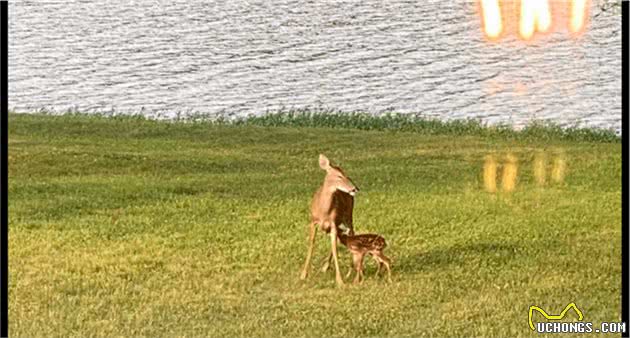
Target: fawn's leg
x=378, y=263
x=309, y=253
x=327, y=262
x=350, y=233
x=333, y=244
x=361, y=268
x=378, y=270
x=352, y=268
x=356, y=259
x=386, y=262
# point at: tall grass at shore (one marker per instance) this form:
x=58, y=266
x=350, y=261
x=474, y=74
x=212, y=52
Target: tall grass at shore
x=415, y=123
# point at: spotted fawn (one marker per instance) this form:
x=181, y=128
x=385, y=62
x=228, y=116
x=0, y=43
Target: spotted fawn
x=366, y=244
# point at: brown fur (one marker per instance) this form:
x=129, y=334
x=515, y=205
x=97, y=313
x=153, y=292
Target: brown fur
x=331, y=206
x=366, y=244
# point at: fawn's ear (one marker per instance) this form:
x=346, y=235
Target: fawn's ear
x=324, y=163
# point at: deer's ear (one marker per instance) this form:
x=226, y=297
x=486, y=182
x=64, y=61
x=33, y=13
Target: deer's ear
x=324, y=163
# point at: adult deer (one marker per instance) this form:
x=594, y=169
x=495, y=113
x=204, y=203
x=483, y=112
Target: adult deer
x=331, y=206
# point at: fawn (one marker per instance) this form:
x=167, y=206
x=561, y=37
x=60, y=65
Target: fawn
x=359, y=246
x=331, y=206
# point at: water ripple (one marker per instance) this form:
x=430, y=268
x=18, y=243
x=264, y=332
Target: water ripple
x=246, y=57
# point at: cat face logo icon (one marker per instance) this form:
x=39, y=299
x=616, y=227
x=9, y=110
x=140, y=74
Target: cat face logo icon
x=553, y=317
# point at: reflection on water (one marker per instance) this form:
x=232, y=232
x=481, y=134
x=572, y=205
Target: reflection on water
x=508, y=170
x=540, y=168
x=559, y=169
x=510, y=173
x=490, y=174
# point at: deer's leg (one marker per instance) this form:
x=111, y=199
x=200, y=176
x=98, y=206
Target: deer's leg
x=327, y=262
x=333, y=243
x=361, y=269
x=361, y=274
x=386, y=262
x=350, y=233
x=356, y=260
x=379, y=262
x=309, y=253
x=380, y=265
x=352, y=268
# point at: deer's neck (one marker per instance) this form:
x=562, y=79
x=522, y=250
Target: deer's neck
x=326, y=195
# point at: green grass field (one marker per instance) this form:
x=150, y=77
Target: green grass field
x=131, y=227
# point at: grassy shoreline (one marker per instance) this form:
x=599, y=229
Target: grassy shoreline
x=413, y=123
x=124, y=226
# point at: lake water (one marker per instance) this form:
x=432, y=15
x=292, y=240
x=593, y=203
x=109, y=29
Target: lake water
x=237, y=57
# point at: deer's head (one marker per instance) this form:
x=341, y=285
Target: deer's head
x=335, y=177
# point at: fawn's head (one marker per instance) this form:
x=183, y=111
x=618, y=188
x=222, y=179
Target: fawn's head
x=336, y=178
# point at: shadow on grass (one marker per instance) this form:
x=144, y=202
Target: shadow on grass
x=467, y=255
